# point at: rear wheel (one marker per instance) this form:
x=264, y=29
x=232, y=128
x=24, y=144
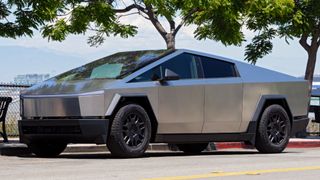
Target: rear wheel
x=192, y=148
x=273, y=130
x=130, y=132
x=42, y=149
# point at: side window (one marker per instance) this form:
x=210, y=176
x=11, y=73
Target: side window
x=185, y=65
x=213, y=68
x=150, y=75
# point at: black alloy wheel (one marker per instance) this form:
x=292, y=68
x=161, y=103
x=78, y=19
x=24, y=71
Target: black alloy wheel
x=130, y=132
x=277, y=128
x=273, y=131
x=133, y=130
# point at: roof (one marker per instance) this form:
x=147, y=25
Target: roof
x=249, y=72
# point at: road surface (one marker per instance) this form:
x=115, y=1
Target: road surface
x=227, y=164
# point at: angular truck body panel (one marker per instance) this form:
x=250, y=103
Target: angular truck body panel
x=186, y=106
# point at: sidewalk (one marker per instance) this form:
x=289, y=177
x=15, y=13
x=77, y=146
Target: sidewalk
x=14, y=147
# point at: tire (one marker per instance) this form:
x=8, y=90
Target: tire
x=130, y=132
x=273, y=131
x=195, y=148
x=47, y=150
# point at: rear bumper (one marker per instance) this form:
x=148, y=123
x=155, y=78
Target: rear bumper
x=64, y=130
x=299, y=125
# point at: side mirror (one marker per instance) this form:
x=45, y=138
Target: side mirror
x=169, y=75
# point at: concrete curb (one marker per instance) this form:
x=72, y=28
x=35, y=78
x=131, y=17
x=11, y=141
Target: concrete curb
x=293, y=143
x=14, y=148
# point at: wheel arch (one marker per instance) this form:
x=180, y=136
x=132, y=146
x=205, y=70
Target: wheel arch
x=120, y=100
x=264, y=102
x=267, y=100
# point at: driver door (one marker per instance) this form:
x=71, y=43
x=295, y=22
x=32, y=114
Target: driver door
x=181, y=102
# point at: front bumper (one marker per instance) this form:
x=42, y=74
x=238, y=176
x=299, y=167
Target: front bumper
x=64, y=130
x=299, y=124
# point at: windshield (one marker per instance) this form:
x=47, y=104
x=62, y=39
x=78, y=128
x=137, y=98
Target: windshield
x=115, y=66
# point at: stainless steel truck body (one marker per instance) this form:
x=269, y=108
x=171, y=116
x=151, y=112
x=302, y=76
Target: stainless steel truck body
x=185, y=97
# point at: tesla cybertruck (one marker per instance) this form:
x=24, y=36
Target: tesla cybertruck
x=130, y=99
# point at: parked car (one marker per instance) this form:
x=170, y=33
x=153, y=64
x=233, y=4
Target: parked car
x=130, y=99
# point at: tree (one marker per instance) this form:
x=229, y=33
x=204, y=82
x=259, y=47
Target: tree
x=288, y=19
x=59, y=18
x=16, y=20
x=14, y=26
x=214, y=19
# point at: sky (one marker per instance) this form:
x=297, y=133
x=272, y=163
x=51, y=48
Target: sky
x=38, y=55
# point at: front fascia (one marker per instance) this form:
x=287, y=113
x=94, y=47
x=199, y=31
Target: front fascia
x=71, y=105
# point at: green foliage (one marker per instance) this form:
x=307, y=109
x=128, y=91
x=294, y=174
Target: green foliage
x=287, y=19
x=165, y=8
x=22, y=17
x=260, y=46
x=220, y=20
x=57, y=31
x=98, y=16
x=59, y=18
x=262, y=13
x=19, y=23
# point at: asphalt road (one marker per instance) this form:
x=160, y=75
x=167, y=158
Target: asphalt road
x=229, y=164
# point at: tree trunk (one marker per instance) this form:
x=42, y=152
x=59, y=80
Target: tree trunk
x=311, y=64
x=170, y=41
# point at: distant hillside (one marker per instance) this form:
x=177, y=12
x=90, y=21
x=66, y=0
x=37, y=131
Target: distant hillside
x=315, y=78
x=21, y=60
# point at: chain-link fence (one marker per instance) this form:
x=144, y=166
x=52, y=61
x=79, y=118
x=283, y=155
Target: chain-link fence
x=13, y=114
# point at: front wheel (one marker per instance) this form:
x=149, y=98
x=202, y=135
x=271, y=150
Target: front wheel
x=273, y=130
x=192, y=148
x=130, y=132
x=48, y=150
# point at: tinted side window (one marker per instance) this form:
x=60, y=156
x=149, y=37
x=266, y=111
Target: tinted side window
x=213, y=68
x=150, y=75
x=185, y=65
